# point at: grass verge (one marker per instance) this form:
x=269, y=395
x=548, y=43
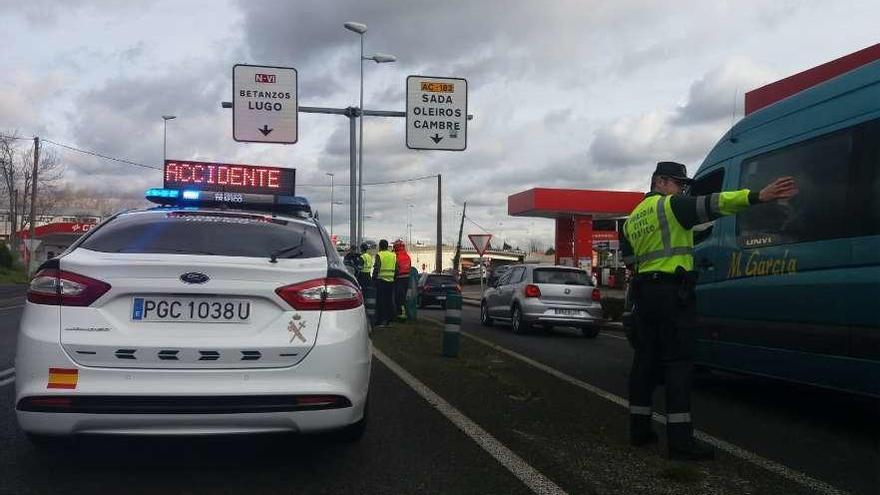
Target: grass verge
x=573, y=437
x=13, y=276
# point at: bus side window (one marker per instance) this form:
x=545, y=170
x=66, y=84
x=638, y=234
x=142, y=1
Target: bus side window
x=707, y=184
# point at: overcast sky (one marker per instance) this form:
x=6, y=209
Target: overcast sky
x=573, y=94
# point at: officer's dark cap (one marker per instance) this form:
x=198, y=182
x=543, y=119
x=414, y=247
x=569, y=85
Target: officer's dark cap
x=673, y=169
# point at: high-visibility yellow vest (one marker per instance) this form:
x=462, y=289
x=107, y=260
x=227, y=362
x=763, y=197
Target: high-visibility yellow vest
x=368, y=263
x=387, y=266
x=659, y=242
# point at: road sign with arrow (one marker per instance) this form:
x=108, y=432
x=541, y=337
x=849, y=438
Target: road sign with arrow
x=436, y=113
x=265, y=104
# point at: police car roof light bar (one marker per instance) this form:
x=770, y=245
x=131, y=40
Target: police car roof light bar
x=261, y=202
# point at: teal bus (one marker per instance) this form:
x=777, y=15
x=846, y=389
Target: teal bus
x=791, y=290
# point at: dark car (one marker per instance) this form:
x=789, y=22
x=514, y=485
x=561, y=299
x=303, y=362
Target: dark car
x=434, y=288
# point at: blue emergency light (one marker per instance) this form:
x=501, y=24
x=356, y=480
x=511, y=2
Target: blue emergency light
x=247, y=201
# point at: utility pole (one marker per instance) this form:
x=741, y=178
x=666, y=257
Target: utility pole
x=438, y=260
x=457, y=257
x=32, y=220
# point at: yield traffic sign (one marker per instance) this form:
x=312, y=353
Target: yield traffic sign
x=480, y=242
x=265, y=104
x=436, y=113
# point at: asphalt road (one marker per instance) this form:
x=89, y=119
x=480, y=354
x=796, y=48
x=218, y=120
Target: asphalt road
x=408, y=448
x=831, y=436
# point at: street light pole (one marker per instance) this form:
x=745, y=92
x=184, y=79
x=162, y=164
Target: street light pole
x=331, y=205
x=379, y=58
x=409, y=223
x=165, y=119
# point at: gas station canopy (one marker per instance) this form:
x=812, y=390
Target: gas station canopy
x=574, y=211
x=559, y=203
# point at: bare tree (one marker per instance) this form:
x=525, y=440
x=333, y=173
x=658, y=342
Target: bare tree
x=16, y=176
x=536, y=245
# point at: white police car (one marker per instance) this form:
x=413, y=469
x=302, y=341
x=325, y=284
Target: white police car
x=214, y=313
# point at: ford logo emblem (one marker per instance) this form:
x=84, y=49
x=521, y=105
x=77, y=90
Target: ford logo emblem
x=194, y=278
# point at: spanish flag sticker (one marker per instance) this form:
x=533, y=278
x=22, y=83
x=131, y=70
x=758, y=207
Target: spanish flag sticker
x=62, y=378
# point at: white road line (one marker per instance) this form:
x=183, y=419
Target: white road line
x=12, y=307
x=533, y=479
x=7, y=381
x=613, y=336
x=772, y=466
x=5, y=372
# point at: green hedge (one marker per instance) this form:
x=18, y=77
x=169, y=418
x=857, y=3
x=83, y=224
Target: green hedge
x=6, y=257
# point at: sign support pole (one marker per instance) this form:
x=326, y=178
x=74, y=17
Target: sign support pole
x=353, y=113
x=482, y=267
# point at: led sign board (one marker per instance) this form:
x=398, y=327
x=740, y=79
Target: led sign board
x=226, y=177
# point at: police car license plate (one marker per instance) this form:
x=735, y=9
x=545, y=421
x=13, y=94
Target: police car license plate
x=191, y=309
x=569, y=312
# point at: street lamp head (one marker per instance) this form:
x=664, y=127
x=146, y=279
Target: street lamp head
x=357, y=27
x=169, y=117
x=383, y=58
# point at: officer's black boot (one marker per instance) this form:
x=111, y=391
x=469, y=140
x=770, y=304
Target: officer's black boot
x=683, y=447
x=640, y=431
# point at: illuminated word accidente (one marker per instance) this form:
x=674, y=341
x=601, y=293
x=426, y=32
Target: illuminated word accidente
x=223, y=175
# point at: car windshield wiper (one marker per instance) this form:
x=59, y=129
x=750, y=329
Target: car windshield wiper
x=296, y=248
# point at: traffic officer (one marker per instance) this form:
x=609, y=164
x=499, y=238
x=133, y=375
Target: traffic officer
x=658, y=237
x=384, y=271
x=401, y=283
x=365, y=274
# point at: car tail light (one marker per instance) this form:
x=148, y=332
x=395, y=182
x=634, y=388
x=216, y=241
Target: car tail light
x=532, y=290
x=327, y=294
x=60, y=288
x=597, y=296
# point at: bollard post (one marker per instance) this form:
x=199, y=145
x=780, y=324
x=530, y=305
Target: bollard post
x=370, y=302
x=412, y=297
x=452, y=328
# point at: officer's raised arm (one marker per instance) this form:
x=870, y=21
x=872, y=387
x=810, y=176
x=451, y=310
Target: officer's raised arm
x=694, y=210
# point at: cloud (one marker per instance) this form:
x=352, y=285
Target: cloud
x=719, y=93
x=683, y=133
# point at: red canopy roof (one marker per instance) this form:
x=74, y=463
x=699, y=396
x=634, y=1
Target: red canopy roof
x=554, y=203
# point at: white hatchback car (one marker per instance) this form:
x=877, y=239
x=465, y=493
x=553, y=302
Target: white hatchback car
x=194, y=320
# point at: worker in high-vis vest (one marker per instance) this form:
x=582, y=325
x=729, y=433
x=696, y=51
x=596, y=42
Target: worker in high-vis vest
x=384, y=272
x=658, y=246
x=365, y=274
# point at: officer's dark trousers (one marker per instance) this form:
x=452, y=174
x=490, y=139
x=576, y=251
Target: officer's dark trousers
x=664, y=344
x=401, y=286
x=365, y=280
x=384, y=301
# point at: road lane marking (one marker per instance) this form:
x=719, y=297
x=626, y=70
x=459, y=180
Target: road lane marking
x=11, y=307
x=734, y=450
x=613, y=336
x=8, y=371
x=530, y=476
x=7, y=381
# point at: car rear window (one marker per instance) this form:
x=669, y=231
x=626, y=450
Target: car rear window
x=207, y=233
x=440, y=280
x=561, y=276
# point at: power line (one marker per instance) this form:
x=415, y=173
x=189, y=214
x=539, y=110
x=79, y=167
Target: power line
x=399, y=181
x=478, y=225
x=99, y=155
